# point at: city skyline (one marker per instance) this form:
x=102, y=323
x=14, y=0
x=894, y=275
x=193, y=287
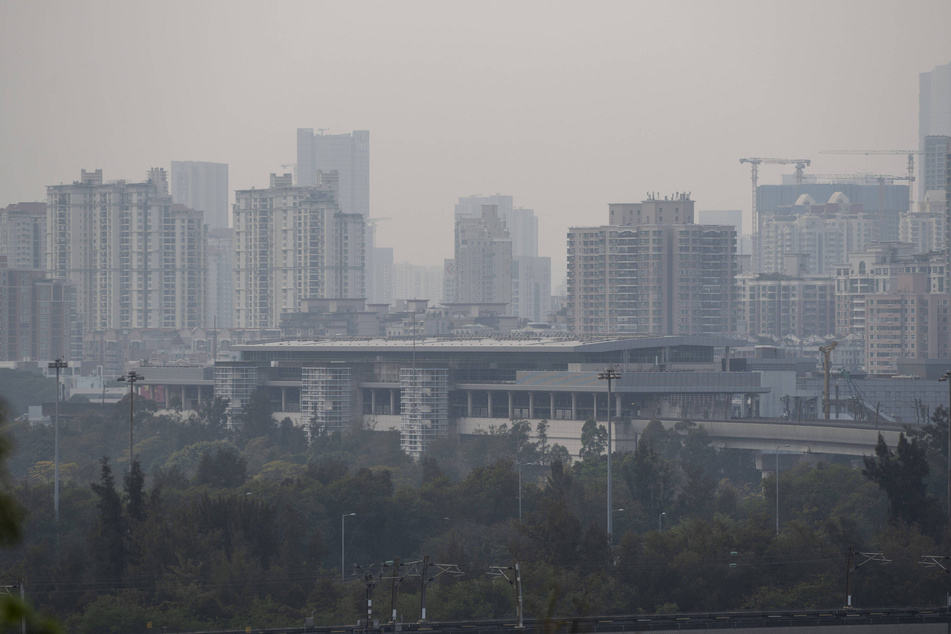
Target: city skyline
x=567, y=109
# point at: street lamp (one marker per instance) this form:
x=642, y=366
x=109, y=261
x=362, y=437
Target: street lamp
x=57, y=365
x=520, y=493
x=945, y=377
x=609, y=375
x=777, y=485
x=131, y=379
x=343, y=541
x=660, y=522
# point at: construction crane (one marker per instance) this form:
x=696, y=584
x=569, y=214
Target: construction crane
x=755, y=162
x=911, y=164
x=826, y=362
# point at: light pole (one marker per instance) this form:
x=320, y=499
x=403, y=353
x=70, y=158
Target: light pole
x=343, y=541
x=615, y=511
x=520, y=493
x=57, y=365
x=945, y=377
x=660, y=522
x=777, y=485
x=131, y=379
x=608, y=375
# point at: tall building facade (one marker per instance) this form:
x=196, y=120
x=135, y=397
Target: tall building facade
x=37, y=316
x=531, y=288
x=348, y=154
x=818, y=235
x=780, y=305
x=23, y=235
x=876, y=271
x=219, y=306
x=934, y=109
x=202, y=186
x=883, y=204
x=415, y=281
x=293, y=243
x=482, y=266
x=652, y=272
x=137, y=259
x=531, y=274
x=909, y=323
x=926, y=227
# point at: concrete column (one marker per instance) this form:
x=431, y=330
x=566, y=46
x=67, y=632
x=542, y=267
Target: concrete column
x=617, y=405
x=184, y=406
x=469, y=403
x=372, y=401
x=510, y=404
x=392, y=401
x=551, y=412
x=531, y=405
x=283, y=399
x=574, y=406
x=489, y=401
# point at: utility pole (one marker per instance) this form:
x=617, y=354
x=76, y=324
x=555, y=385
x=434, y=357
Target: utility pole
x=131, y=378
x=57, y=365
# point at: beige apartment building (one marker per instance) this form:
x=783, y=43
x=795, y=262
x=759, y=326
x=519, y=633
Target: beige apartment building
x=136, y=258
x=876, y=272
x=293, y=243
x=652, y=272
x=908, y=324
x=779, y=305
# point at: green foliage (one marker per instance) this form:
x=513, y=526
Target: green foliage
x=226, y=469
x=21, y=389
x=594, y=440
x=901, y=475
x=200, y=543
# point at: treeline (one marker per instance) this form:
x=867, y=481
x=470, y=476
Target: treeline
x=213, y=528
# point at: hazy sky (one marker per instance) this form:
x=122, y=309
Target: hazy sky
x=567, y=106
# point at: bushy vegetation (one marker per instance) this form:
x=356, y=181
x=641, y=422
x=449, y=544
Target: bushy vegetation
x=213, y=528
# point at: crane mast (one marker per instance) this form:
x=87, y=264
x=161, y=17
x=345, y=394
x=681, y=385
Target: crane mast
x=826, y=361
x=755, y=162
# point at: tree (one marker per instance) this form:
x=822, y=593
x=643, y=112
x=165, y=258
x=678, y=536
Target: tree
x=594, y=440
x=226, y=469
x=135, y=492
x=650, y=479
x=106, y=541
x=901, y=475
x=257, y=417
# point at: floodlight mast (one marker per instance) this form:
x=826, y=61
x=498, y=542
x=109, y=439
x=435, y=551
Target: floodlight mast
x=57, y=365
x=610, y=375
x=131, y=378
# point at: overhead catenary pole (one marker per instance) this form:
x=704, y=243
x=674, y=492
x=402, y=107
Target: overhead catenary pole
x=57, y=365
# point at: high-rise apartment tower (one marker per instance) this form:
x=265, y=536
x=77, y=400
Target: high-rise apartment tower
x=137, y=258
